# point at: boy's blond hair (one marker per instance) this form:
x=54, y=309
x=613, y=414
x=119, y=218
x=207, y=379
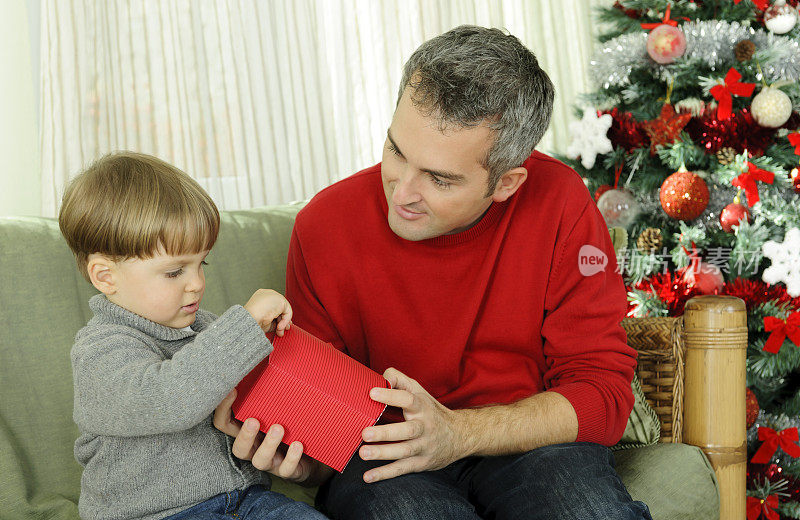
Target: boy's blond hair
x=129, y=205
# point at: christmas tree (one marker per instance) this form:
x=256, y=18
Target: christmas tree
x=690, y=145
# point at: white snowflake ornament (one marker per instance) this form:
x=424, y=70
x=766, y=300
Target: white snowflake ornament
x=589, y=137
x=785, y=265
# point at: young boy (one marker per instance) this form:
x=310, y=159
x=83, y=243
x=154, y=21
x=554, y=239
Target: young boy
x=150, y=366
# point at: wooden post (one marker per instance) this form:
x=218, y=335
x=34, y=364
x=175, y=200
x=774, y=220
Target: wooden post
x=715, y=332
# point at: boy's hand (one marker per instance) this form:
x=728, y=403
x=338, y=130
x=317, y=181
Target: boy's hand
x=266, y=306
x=265, y=451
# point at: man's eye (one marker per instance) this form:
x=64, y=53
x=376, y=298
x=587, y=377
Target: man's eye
x=175, y=274
x=439, y=182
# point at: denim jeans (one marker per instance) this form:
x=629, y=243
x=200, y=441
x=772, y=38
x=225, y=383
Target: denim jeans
x=253, y=503
x=564, y=482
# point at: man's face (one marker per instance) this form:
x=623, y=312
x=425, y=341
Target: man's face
x=433, y=181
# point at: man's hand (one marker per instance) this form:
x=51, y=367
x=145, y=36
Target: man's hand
x=430, y=438
x=264, y=451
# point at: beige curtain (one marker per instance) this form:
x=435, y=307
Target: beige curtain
x=263, y=102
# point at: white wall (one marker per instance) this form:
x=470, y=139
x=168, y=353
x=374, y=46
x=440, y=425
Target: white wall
x=19, y=136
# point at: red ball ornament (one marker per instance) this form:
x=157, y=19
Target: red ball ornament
x=599, y=191
x=795, y=176
x=684, y=195
x=751, y=404
x=703, y=277
x=665, y=44
x=732, y=214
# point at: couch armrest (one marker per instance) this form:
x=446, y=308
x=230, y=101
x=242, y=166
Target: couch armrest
x=715, y=338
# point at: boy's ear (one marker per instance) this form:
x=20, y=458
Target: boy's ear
x=509, y=183
x=101, y=273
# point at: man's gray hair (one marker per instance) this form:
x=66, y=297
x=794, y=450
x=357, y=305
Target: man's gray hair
x=471, y=75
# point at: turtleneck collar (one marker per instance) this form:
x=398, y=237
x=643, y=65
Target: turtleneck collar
x=107, y=310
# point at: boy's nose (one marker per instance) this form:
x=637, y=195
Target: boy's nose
x=196, y=284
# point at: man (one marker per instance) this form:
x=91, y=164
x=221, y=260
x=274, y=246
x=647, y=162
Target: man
x=454, y=267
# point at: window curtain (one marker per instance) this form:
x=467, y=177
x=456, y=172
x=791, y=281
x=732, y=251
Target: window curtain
x=263, y=102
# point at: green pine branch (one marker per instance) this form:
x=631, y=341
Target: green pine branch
x=782, y=212
x=683, y=151
x=789, y=510
x=783, y=153
x=791, y=408
x=646, y=304
x=746, y=254
x=766, y=366
x=689, y=238
x=637, y=265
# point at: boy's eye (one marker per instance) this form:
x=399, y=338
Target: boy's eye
x=394, y=150
x=175, y=274
x=203, y=263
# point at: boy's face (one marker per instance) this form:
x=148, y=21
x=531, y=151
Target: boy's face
x=434, y=181
x=164, y=289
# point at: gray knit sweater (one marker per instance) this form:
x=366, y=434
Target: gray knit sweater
x=144, y=398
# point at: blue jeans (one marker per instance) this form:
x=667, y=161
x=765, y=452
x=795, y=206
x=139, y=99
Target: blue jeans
x=253, y=503
x=564, y=482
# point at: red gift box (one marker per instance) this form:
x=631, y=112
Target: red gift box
x=318, y=394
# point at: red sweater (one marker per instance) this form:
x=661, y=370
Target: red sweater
x=490, y=315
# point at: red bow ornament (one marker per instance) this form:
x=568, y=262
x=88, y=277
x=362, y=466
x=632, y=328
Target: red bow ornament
x=747, y=181
x=761, y=4
x=666, y=20
x=732, y=87
x=786, y=439
x=780, y=329
x=756, y=506
x=794, y=140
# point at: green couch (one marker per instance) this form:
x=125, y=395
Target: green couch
x=43, y=302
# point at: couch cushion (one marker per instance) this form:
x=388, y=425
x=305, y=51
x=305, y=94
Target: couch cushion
x=676, y=481
x=643, y=428
x=42, y=305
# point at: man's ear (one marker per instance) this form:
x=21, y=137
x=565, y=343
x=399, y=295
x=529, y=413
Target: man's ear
x=509, y=183
x=101, y=273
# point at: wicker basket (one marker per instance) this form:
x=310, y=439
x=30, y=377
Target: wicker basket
x=659, y=342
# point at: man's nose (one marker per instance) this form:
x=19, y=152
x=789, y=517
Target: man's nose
x=406, y=189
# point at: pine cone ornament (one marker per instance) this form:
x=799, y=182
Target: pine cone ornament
x=726, y=156
x=744, y=50
x=650, y=240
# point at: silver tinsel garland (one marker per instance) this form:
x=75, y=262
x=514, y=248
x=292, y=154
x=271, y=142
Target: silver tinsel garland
x=711, y=41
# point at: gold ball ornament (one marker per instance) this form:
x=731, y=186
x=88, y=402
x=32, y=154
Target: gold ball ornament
x=780, y=18
x=771, y=108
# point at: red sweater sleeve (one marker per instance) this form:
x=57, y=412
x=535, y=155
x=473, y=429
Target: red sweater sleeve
x=307, y=311
x=588, y=359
